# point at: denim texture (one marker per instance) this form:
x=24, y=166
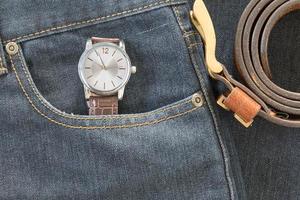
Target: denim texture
x=161, y=146
x=269, y=154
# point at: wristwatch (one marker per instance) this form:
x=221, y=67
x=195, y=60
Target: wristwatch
x=104, y=69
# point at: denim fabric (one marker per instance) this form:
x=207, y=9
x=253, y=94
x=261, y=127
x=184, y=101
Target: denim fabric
x=269, y=154
x=161, y=146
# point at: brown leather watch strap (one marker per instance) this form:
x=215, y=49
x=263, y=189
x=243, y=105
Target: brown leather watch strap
x=263, y=97
x=103, y=105
x=99, y=39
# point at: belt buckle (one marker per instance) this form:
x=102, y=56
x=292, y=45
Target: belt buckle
x=202, y=21
x=238, y=101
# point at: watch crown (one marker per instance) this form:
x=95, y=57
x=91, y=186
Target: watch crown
x=133, y=69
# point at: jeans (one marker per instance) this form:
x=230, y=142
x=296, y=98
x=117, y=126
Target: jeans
x=161, y=145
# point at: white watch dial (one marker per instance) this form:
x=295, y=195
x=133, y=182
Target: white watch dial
x=105, y=68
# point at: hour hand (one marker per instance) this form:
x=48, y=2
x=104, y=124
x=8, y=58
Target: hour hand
x=101, y=66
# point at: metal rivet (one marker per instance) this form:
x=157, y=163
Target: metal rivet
x=197, y=100
x=12, y=48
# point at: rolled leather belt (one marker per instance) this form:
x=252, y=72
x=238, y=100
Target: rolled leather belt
x=251, y=47
x=262, y=97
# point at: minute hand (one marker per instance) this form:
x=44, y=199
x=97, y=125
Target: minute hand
x=100, y=59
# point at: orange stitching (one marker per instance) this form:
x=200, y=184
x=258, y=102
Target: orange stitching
x=179, y=19
x=75, y=117
x=95, y=127
x=38, y=95
x=92, y=20
x=195, y=44
x=187, y=34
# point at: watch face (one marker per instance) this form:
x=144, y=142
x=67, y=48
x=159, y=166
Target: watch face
x=105, y=68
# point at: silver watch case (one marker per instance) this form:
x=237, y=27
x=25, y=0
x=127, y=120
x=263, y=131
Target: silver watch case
x=118, y=90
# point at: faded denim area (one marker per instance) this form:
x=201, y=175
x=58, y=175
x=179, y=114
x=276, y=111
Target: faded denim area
x=269, y=154
x=162, y=146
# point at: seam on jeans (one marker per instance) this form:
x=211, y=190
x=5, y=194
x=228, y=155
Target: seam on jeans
x=187, y=34
x=194, y=44
x=214, y=119
x=221, y=143
x=3, y=67
x=130, y=116
x=179, y=19
x=89, y=21
x=147, y=123
x=152, y=29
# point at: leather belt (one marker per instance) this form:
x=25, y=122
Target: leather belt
x=263, y=97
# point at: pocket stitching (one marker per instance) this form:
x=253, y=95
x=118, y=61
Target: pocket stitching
x=90, y=20
x=147, y=123
x=130, y=116
x=221, y=143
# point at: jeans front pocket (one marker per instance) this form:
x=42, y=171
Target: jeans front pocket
x=40, y=105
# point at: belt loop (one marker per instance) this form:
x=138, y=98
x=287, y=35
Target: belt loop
x=3, y=63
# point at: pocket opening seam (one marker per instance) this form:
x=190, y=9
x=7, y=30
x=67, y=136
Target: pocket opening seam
x=89, y=21
x=147, y=123
x=129, y=116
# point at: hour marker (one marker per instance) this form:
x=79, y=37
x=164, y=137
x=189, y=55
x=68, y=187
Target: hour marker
x=122, y=68
x=87, y=68
x=119, y=77
x=96, y=83
x=113, y=83
x=105, y=50
x=119, y=59
x=90, y=59
x=104, y=85
x=114, y=53
x=90, y=76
